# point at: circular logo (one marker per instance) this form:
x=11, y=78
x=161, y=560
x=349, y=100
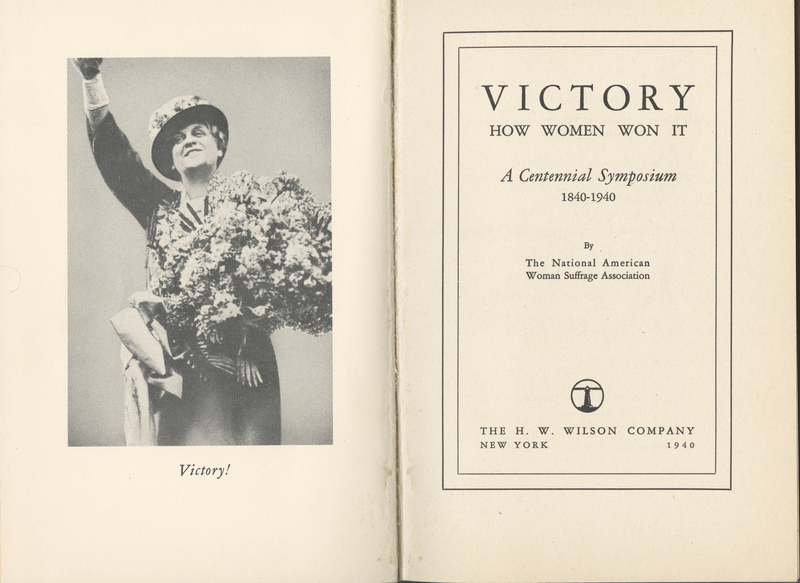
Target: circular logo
x=587, y=395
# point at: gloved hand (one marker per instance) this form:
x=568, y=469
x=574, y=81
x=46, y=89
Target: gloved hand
x=89, y=68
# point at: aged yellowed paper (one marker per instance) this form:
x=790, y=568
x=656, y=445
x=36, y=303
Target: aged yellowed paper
x=596, y=292
x=587, y=242
x=303, y=85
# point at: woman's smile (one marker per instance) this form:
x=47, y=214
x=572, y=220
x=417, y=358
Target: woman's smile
x=194, y=147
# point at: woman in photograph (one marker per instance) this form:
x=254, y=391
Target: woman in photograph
x=223, y=391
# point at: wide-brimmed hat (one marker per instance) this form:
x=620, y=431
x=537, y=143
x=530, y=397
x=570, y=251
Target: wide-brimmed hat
x=174, y=115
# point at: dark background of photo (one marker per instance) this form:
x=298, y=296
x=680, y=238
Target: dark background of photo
x=278, y=112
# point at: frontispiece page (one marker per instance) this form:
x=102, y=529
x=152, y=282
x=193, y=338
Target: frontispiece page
x=197, y=316
x=584, y=298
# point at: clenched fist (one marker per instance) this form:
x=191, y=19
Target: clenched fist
x=89, y=68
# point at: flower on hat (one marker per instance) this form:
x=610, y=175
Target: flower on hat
x=166, y=112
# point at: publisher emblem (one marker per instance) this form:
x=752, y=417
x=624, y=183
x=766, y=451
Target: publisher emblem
x=587, y=395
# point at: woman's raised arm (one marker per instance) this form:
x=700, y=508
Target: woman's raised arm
x=122, y=169
x=95, y=98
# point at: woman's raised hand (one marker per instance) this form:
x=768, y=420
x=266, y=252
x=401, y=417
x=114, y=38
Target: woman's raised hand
x=89, y=68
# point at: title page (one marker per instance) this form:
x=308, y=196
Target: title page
x=596, y=341
x=587, y=220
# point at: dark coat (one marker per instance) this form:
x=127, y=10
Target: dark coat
x=215, y=408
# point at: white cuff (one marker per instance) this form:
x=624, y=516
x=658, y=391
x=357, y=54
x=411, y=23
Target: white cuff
x=94, y=94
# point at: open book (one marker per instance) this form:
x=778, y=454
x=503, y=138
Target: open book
x=563, y=295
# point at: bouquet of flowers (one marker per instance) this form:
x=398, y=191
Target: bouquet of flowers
x=259, y=260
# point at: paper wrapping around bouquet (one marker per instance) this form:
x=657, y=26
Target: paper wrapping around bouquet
x=141, y=419
x=147, y=375
x=138, y=338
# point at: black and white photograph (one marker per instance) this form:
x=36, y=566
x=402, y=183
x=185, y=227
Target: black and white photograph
x=199, y=251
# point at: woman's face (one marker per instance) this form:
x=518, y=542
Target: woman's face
x=194, y=148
